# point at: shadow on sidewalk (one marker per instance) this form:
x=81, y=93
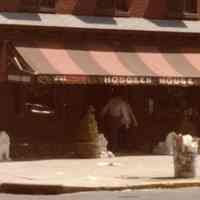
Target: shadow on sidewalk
x=146, y=178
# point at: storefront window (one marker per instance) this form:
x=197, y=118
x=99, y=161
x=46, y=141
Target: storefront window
x=40, y=100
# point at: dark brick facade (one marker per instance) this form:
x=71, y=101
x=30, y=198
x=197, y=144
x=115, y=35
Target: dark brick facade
x=138, y=8
x=158, y=9
x=27, y=126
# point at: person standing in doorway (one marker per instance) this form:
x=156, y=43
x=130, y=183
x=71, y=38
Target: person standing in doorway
x=118, y=117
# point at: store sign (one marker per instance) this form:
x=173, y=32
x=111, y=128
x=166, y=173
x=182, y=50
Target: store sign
x=120, y=80
x=71, y=79
x=177, y=81
x=117, y=80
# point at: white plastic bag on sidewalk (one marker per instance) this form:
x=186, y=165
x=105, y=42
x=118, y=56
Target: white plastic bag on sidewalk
x=4, y=146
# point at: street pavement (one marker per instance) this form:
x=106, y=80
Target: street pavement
x=73, y=175
x=159, y=194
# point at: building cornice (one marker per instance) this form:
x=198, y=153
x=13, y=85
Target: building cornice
x=36, y=20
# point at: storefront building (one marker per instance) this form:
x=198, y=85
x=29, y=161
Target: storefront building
x=60, y=56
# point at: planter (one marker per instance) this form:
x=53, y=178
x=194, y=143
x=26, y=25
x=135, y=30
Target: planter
x=87, y=150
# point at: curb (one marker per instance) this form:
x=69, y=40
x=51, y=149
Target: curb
x=18, y=188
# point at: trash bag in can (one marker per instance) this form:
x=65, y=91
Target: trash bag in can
x=185, y=153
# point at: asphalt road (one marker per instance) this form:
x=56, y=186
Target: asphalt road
x=161, y=194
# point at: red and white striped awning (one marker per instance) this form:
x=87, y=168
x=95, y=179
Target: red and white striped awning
x=112, y=63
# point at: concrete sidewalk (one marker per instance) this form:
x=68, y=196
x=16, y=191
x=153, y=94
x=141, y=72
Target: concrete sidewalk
x=73, y=175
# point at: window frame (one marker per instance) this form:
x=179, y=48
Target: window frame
x=177, y=10
x=46, y=9
x=191, y=15
x=121, y=12
x=35, y=6
x=100, y=10
x=115, y=11
x=29, y=5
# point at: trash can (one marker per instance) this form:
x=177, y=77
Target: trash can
x=185, y=153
